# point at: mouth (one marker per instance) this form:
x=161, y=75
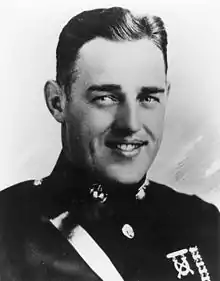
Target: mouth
x=126, y=148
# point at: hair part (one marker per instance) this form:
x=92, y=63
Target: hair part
x=115, y=24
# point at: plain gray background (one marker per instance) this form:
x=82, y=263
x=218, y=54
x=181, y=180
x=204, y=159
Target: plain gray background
x=189, y=159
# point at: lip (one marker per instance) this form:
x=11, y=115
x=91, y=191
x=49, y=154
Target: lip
x=126, y=148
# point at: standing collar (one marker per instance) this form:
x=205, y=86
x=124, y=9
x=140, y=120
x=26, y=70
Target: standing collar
x=80, y=181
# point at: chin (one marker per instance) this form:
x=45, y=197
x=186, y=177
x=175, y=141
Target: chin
x=124, y=177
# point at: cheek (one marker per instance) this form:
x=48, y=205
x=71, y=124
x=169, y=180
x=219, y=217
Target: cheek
x=89, y=122
x=159, y=123
x=154, y=121
x=99, y=120
x=95, y=126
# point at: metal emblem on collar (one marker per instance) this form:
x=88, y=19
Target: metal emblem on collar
x=142, y=190
x=98, y=193
x=38, y=182
x=128, y=231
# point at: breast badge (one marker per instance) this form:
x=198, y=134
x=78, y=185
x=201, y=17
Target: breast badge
x=182, y=265
x=200, y=264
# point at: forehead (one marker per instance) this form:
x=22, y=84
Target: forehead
x=104, y=61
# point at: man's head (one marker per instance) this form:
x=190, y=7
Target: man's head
x=111, y=91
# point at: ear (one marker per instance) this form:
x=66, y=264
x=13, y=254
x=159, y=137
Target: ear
x=55, y=100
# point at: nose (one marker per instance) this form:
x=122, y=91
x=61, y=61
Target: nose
x=128, y=117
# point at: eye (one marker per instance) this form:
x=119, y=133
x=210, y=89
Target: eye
x=149, y=100
x=106, y=100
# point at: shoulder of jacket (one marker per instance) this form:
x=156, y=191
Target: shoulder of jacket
x=20, y=189
x=18, y=195
x=184, y=203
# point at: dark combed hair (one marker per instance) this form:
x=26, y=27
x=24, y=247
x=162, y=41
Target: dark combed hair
x=116, y=24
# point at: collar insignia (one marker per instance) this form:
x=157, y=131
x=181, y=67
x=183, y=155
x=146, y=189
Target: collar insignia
x=98, y=193
x=38, y=182
x=182, y=265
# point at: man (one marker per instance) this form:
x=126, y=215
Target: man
x=98, y=216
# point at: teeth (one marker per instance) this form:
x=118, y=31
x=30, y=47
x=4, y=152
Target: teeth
x=127, y=147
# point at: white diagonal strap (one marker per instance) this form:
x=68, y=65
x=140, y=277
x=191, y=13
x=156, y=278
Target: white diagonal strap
x=92, y=254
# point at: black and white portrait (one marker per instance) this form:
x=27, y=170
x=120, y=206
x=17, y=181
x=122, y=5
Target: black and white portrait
x=110, y=147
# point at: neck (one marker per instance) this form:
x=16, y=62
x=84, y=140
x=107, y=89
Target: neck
x=82, y=178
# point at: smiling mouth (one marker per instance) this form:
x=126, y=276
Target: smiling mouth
x=128, y=149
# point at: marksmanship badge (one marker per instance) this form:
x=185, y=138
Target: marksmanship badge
x=204, y=274
x=180, y=263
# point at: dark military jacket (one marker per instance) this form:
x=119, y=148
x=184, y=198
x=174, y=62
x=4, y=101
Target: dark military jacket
x=167, y=236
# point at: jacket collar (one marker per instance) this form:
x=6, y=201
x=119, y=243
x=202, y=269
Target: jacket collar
x=80, y=179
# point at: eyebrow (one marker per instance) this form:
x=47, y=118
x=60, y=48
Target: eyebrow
x=105, y=88
x=152, y=90
x=112, y=88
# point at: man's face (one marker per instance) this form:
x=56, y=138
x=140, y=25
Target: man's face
x=114, y=119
